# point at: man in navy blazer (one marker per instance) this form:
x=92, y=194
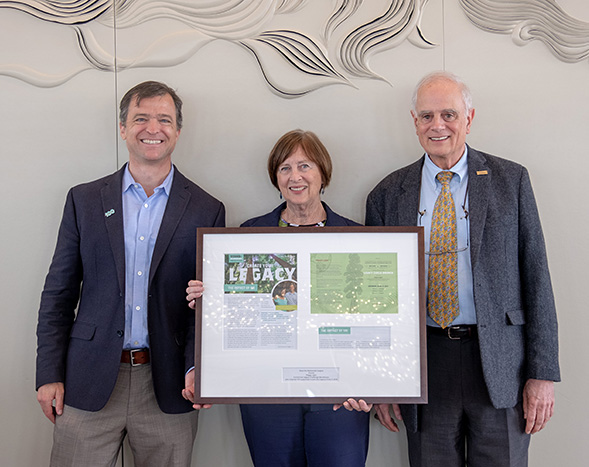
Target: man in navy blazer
x=491, y=370
x=115, y=349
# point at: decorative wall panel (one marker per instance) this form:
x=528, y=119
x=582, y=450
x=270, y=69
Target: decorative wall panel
x=293, y=62
x=528, y=20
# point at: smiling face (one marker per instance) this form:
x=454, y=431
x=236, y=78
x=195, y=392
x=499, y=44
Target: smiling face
x=150, y=130
x=442, y=121
x=299, y=179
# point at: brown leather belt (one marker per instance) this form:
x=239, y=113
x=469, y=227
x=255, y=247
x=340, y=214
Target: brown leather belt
x=454, y=332
x=135, y=357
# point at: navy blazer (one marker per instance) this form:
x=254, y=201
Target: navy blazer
x=83, y=349
x=272, y=218
x=514, y=303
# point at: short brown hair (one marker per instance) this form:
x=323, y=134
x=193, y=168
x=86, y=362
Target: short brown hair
x=146, y=90
x=308, y=142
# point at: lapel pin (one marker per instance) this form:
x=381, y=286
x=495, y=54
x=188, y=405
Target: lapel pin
x=482, y=172
x=109, y=213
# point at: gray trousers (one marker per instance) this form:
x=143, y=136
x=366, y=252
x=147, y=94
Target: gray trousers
x=459, y=426
x=93, y=439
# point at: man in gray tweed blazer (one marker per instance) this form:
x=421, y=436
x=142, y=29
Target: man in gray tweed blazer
x=491, y=370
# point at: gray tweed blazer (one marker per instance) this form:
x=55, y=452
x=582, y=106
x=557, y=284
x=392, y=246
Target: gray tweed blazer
x=514, y=304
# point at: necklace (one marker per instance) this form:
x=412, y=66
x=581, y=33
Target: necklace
x=283, y=223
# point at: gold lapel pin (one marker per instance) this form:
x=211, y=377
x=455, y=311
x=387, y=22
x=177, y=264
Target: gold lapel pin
x=482, y=172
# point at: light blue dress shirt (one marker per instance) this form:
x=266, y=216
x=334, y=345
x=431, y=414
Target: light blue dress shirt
x=430, y=189
x=142, y=217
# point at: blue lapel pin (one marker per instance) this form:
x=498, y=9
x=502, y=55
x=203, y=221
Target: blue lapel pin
x=109, y=213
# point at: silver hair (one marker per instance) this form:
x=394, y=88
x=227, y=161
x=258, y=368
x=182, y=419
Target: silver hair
x=444, y=75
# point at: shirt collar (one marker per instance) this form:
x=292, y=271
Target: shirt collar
x=430, y=169
x=129, y=181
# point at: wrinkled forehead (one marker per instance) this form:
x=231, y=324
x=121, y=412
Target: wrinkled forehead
x=161, y=100
x=438, y=96
x=155, y=106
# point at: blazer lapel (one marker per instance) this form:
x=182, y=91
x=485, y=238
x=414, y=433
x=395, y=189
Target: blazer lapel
x=177, y=202
x=112, y=205
x=409, y=198
x=479, y=177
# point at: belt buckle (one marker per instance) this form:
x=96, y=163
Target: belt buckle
x=450, y=333
x=132, y=355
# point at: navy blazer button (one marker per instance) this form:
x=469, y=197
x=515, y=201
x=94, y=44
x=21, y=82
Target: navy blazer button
x=120, y=333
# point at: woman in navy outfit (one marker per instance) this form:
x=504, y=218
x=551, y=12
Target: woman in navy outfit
x=303, y=435
x=300, y=435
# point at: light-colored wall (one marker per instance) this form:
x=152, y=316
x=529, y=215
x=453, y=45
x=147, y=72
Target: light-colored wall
x=530, y=107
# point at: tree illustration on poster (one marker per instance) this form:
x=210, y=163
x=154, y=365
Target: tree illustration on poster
x=354, y=276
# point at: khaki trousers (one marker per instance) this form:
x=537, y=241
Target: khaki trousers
x=93, y=439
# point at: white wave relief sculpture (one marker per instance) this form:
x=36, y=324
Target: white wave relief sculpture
x=305, y=58
x=293, y=62
x=401, y=21
x=527, y=20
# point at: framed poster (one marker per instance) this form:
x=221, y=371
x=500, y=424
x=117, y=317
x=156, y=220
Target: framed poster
x=311, y=315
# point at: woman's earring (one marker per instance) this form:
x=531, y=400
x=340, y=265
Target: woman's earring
x=322, y=189
x=280, y=194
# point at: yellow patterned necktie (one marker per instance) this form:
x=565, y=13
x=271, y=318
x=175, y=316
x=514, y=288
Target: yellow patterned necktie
x=443, y=267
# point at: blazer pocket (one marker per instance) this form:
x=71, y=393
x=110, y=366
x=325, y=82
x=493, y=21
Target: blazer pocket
x=515, y=317
x=501, y=217
x=83, y=331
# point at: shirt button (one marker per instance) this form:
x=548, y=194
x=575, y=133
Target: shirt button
x=138, y=308
x=146, y=205
x=142, y=238
x=139, y=273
